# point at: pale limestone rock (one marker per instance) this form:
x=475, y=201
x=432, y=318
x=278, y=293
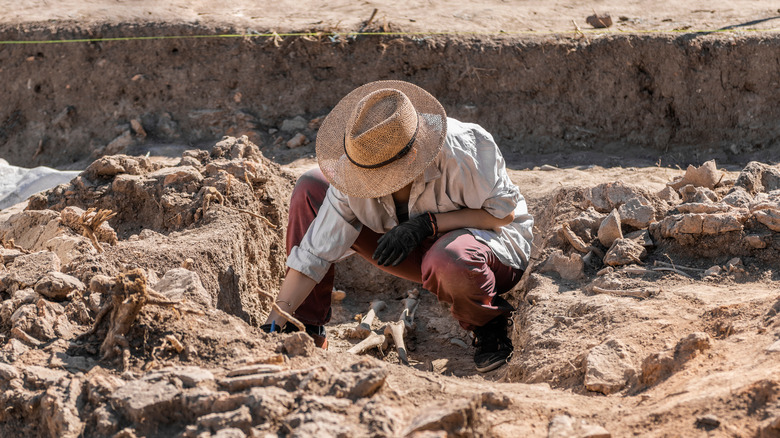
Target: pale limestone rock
x=625, y=252
x=610, y=229
x=608, y=367
x=637, y=213
x=568, y=267
x=57, y=286
x=180, y=283
x=706, y=175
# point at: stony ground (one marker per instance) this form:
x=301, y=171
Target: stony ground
x=132, y=295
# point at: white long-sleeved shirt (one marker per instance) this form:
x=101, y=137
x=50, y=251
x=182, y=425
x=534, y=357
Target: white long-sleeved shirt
x=469, y=172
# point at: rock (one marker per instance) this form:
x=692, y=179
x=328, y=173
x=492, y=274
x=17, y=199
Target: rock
x=40, y=377
x=774, y=348
x=110, y=166
x=239, y=419
x=8, y=372
x=669, y=195
x=270, y=403
x=625, y=252
x=190, y=376
x=700, y=207
x=296, y=124
x=230, y=432
x=758, y=177
x=236, y=148
x=564, y=426
x=755, y=241
x=452, y=417
x=183, y=178
x=568, y=267
x=31, y=229
x=180, y=283
x=138, y=128
x=608, y=367
x=713, y=270
x=297, y=141
x=656, y=367
x=8, y=255
x=587, y=223
x=770, y=218
x=144, y=401
x=15, y=348
x=105, y=420
x=737, y=197
x=60, y=412
x=298, y=344
x=27, y=269
x=697, y=224
x=688, y=347
x=637, y=213
x=608, y=196
x=642, y=237
x=70, y=247
x=599, y=21
x=610, y=229
x=57, y=286
x=119, y=144
x=708, y=421
x=359, y=380
x=706, y=175
x=698, y=194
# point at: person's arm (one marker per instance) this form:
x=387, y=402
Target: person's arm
x=470, y=218
x=295, y=288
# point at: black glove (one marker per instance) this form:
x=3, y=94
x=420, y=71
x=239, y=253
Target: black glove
x=395, y=245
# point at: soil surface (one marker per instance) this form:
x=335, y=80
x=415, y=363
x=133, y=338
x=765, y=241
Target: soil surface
x=131, y=296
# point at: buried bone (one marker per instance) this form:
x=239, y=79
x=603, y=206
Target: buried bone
x=364, y=328
x=410, y=307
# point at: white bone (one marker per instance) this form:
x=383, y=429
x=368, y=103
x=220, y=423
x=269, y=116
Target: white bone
x=410, y=307
x=373, y=340
x=396, y=330
x=364, y=328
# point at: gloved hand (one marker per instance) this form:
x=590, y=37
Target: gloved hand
x=395, y=245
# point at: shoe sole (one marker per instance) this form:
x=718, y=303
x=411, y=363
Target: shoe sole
x=491, y=367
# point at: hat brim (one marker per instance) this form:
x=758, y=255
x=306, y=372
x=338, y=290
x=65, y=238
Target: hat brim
x=359, y=182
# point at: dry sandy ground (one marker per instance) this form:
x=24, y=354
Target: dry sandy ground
x=483, y=16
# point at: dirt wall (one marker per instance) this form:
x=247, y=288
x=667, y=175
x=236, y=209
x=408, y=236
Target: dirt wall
x=685, y=96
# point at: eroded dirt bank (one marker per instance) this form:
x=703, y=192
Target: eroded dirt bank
x=681, y=98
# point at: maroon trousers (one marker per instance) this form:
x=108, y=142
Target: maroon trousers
x=457, y=268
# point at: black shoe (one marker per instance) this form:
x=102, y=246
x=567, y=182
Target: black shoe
x=317, y=332
x=494, y=348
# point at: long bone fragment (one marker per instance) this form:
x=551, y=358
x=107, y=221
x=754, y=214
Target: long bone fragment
x=364, y=328
x=373, y=340
x=396, y=329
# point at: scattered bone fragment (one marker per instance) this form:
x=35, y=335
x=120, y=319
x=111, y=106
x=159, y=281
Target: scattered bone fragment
x=364, y=327
x=633, y=293
x=373, y=340
x=396, y=329
x=610, y=229
x=459, y=342
x=573, y=239
x=255, y=369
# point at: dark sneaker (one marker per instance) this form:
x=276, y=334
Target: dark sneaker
x=317, y=332
x=493, y=346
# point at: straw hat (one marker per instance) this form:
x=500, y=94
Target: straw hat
x=380, y=137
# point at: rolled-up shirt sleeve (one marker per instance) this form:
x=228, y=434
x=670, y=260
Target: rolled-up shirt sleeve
x=328, y=238
x=484, y=182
